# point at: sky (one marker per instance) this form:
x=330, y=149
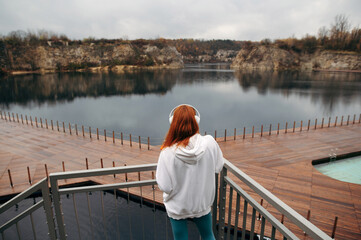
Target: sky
x=199, y=19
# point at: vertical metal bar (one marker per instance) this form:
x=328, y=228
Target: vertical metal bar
x=69, y=128
x=286, y=127
x=97, y=133
x=41, y=123
x=17, y=117
x=46, y=171
x=63, y=127
x=225, y=135
x=278, y=129
x=86, y=163
x=222, y=203
x=57, y=124
x=323, y=119
x=13, y=117
x=113, y=137
x=244, y=220
x=76, y=129
x=63, y=166
x=101, y=163
x=76, y=216
x=229, y=213
x=329, y=122
x=90, y=132
x=342, y=120
x=17, y=226
x=26, y=118
x=48, y=209
x=116, y=212
x=315, y=123
x=294, y=126
x=121, y=138
x=130, y=139
x=90, y=215
x=261, y=130
x=334, y=228
x=354, y=119
x=57, y=207
x=140, y=143
x=253, y=222
x=154, y=219
x=244, y=132
x=215, y=135
x=236, y=217
x=104, y=220
x=270, y=130
x=46, y=123
x=22, y=120
x=301, y=126
x=32, y=225
x=148, y=144
x=52, y=126
x=82, y=129
x=262, y=227
x=273, y=233
x=348, y=119
x=29, y=176
x=235, y=132
x=31, y=121
x=335, y=122
x=259, y=215
x=105, y=135
x=214, y=207
x=252, y=131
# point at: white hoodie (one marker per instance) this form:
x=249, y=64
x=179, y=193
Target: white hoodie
x=186, y=175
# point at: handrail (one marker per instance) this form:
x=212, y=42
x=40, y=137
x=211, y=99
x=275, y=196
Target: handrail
x=291, y=214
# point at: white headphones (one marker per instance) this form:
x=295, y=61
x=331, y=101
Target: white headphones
x=197, y=116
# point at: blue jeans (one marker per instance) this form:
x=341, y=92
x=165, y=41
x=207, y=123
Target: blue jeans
x=204, y=225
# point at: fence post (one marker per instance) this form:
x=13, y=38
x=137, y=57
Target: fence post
x=342, y=120
x=315, y=123
x=29, y=175
x=278, y=129
x=322, y=122
x=82, y=129
x=97, y=133
x=301, y=126
x=105, y=135
x=235, y=130
x=1, y=114
x=63, y=166
x=215, y=135
x=113, y=137
x=225, y=135
x=329, y=121
x=252, y=131
x=22, y=120
x=36, y=121
x=130, y=139
x=308, y=125
x=348, y=119
x=46, y=123
x=359, y=119
x=244, y=132
x=90, y=132
x=140, y=144
x=121, y=138
x=17, y=117
x=262, y=130
x=41, y=123
x=148, y=144
x=69, y=128
x=101, y=163
x=13, y=117
x=334, y=228
x=52, y=126
x=31, y=121
x=26, y=118
x=354, y=119
x=76, y=129
x=46, y=171
x=222, y=203
x=86, y=163
x=114, y=166
x=336, y=121
x=9, y=173
x=63, y=127
x=286, y=127
x=270, y=130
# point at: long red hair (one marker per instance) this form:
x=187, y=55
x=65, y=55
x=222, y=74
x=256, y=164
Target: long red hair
x=183, y=126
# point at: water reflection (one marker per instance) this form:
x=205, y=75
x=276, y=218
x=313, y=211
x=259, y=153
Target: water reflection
x=139, y=102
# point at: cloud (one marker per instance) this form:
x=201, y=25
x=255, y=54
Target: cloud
x=207, y=19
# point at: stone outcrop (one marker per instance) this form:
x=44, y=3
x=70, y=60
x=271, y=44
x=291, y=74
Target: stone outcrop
x=273, y=58
x=83, y=57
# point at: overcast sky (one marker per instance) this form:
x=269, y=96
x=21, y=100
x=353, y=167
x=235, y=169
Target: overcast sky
x=200, y=19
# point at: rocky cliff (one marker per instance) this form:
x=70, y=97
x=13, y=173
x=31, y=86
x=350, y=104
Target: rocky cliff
x=90, y=56
x=273, y=58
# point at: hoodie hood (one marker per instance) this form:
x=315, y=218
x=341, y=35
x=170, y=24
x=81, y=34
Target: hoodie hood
x=192, y=152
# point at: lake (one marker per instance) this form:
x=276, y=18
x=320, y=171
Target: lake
x=139, y=102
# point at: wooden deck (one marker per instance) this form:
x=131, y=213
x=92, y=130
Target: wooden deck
x=281, y=163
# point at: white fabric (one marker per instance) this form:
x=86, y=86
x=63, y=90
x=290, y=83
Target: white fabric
x=186, y=175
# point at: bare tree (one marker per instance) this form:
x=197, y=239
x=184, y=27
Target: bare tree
x=339, y=30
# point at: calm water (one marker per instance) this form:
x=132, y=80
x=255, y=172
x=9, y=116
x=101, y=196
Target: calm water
x=139, y=102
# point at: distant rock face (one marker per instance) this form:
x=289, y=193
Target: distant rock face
x=265, y=58
x=92, y=56
x=274, y=58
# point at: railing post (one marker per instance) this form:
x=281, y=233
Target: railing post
x=57, y=207
x=214, y=207
x=48, y=210
x=222, y=203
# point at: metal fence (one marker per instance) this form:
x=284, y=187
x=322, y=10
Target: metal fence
x=229, y=221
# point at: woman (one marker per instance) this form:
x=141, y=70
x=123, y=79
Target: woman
x=186, y=173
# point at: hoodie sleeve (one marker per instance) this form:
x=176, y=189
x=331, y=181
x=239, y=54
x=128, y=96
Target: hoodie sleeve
x=163, y=178
x=219, y=159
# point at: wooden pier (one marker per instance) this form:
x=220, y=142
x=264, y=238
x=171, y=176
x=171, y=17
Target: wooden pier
x=280, y=162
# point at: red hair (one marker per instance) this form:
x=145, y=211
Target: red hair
x=183, y=127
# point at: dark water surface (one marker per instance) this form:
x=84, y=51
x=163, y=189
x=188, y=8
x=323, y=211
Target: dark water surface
x=139, y=102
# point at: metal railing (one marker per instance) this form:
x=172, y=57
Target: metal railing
x=226, y=220
x=263, y=215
